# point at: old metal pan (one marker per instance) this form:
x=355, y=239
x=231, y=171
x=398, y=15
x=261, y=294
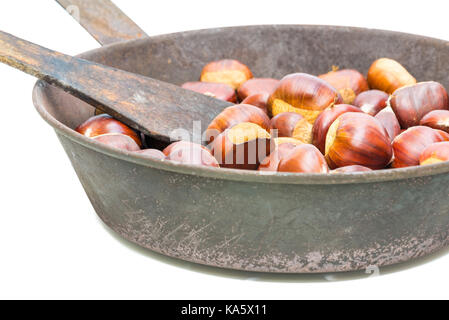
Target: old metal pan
x=284, y=223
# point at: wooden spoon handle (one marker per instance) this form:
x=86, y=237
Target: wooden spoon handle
x=103, y=20
x=154, y=107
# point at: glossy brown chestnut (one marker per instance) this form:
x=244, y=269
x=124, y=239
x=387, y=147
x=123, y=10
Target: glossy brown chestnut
x=412, y=103
x=104, y=124
x=409, y=145
x=190, y=153
x=118, y=140
x=258, y=100
x=349, y=83
x=257, y=86
x=438, y=119
x=271, y=163
x=230, y=72
x=435, y=153
x=279, y=141
x=305, y=158
x=358, y=139
x=390, y=122
x=152, y=153
x=372, y=101
x=216, y=90
x=294, y=125
x=350, y=169
x=389, y=75
x=325, y=120
x=234, y=115
x=243, y=146
x=304, y=94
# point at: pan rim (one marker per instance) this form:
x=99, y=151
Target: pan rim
x=244, y=175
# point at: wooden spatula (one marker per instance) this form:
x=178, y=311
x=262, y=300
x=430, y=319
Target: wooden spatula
x=154, y=107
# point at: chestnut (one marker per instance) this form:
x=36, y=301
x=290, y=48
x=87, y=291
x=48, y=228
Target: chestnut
x=351, y=169
x=257, y=86
x=435, y=153
x=230, y=72
x=105, y=124
x=152, y=153
x=349, y=83
x=413, y=102
x=390, y=122
x=304, y=158
x=216, y=90
x=325, y=120
x=118, y=140
x=234, y=115
x=438, y=119
x=409, y=145
x=243, y=146
x=389, y=75
x=258, y=100
x=291, y=124
x=271, y=163
x=190, y=153
x=358, y=139
x=304, y=94
x=372, y=101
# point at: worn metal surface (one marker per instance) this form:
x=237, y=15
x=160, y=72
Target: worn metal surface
x=103, y=20
x=153, y=107
x=286, y=223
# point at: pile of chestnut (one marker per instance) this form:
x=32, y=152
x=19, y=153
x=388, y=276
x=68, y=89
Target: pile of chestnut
x=335, y=122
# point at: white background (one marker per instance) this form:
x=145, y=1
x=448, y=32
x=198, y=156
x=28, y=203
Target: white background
x=52, y=245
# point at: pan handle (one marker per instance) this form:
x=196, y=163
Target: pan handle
x=103, y=20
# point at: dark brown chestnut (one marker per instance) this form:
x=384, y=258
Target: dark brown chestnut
x=412, y=103
x=243, y=146
x=216, y=90
x=304, y=158
x=358, y=139
x=234, y=115
x=325, y=120
x=438, y=119
x=105, y=124
x=258, y=100
x=304, y=94
x=190, y=153
x=435, y=153
x=409, y=145
x=271, y=163
x=257, y=86
x=390, y=122
x=372, y=101
x=389, y=75
x=230, y=72
x=349, y=83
